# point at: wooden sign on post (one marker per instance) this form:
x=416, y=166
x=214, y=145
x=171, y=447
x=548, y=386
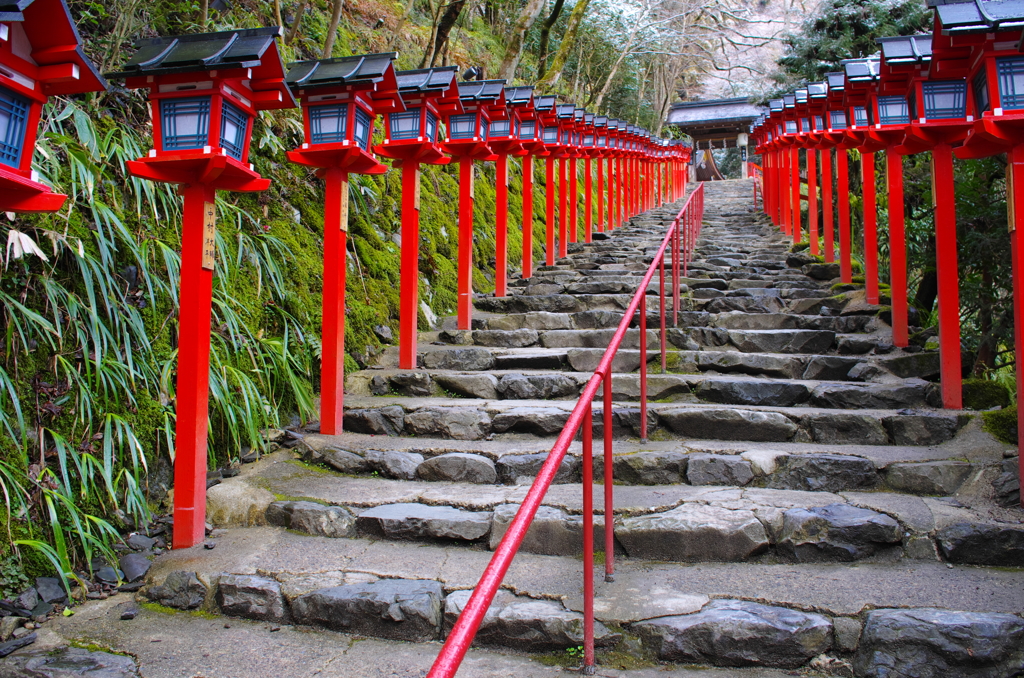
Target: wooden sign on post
x=209, y=235
x=416, y=194
x=344, y=205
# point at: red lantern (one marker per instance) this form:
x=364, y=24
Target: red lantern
x=40, y=57
x=340, y=100
x=410, y=139
x=526, y=133
x=503, y=138
x=204, y=91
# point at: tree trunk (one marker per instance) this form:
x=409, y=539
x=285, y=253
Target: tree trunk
x=277, y=13
x=298, y=22
x=332, y=30
x=205, y=13
x=927, y=291
x=986, y=359
x=552, y=75
x=615, y=69
x=545, y=36
x=429, y=53
x=514, y=50
x=444, y=27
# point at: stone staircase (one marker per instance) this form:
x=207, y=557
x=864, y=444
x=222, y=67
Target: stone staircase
x=801, y=501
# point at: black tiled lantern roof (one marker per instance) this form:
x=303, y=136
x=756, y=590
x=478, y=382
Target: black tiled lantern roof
x=861, y=70
x=203, y=51
x=984, y=16
x=365, y=68
x=518, y=96
x=484, y=91
x=906, y=49
x=426, y=79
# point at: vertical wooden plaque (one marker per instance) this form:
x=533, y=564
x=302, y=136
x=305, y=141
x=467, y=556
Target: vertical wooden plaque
x=209, y=235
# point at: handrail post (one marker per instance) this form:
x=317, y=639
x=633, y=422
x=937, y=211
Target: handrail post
x=675, y=274
x=664, y=363
x=588, y=542
x=643, y=367
x=609, y=483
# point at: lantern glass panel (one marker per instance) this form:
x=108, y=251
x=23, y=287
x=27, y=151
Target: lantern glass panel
x=328, y=124
x=944, y=100
x=566, y=137
x=982, y=101
x=893, y=110
x=588, y=140
x=791, y=127
x=185, y=123
x=528, y=130
x=838, y=119
x=499, y=129
x=462, y=126
x=819, y=123
x=234, y=123
x=805, y=124
x=550, y=135
x=484, y=128
x=602, y=142
x=13, y=116
x=431, y=127
x=363, y=126
x=860, y=116
x=1011, y=82
x=405, y=125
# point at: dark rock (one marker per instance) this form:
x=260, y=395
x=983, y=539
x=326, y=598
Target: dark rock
x=729, y=424
x=108, y=574
x=1007, y=483
x=921, y=365
x=130, y=612
x=649, y=467
x=537, y=387
x=553, y=532
x=782, y=341
x=28, y=599
x=394, y=463
x=251, y=597
x=512, y=467
x=41, y=611
x=482, y=386
x=134, y=565
x=994, y=544
x=16, y=644
x=542, y=421
x=935, y=643
x=526, y=624
x=823, y=473
x=470, y=359
x=419, y=521
x=384, y=333
x=141, y=542
x=868, y=396
x=941, y=478
x=388, y=421
x=759, y=364
x=587, y=360
x=180, y=589
x=751, y=392
x=459, y=467
x=50, y=590
x=719, y=469
x=343, y=461
x=821, y=271
x=596, y=320
x=694, y=532
x=801, y=259
x=506, y=338
x=920, y=429
x=380, y=385
x=312, y=518
x=416, y=384
x=396, y=609
x=853, y=345
x=704, y=336
x=829, y=367
x=846, y=428
x=835, y=532
x=459, y=423
x=739, y=633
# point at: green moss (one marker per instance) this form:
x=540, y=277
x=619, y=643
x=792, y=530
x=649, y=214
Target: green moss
x=983, y=394
x=1002, y=424
x=800, y=246
x=163, y=609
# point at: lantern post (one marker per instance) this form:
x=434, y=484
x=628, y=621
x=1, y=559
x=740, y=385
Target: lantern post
x=505, y=138
x=818, y=145
x=467, y=141
x=613, y=175
x=836, y=133
x=547, y=120
x=528, y=137
x=204, y=92
x=588, y=150
x=340, y=100
x=410, y=139
x=599, y=153
x=566, y=148
x=40, y=56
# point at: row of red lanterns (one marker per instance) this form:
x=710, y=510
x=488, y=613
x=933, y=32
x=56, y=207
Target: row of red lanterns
x=958, y=91
x=205, y=91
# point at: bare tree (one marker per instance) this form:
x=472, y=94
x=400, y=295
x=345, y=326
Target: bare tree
x=514, y=49
x=277, y=13
x=442, y=29
x=545, y=37
x=294, y=31
x=332, y=30
x=552, y=74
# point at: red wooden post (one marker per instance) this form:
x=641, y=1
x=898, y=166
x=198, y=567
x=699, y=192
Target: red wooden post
x=332, y=361
x=785, y=192
x=527, y=216
x=609, y=482
x=588, y=542
x=573, y=201
x=612, y=179
x=465, y=273
x=643, y=367
x=600, y=193
x=549, y=166
x=193, y=388
x=563, y=208
x=870, y=227
x=897, y=248
x=949, y=279
x=409, y=299
x=501, y=226
x=795, y=160
x=588, y=201
x=843, y=189
x=1015, y=207
x=812, y=200
x=826, y=205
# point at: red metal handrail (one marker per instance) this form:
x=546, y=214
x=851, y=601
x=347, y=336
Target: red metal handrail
x=681, y=236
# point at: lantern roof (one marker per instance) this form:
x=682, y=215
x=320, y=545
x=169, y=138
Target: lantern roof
x=775, y=105
x=566, y=111
x=601, y=121
x=836, y=81
x=788, y=100
x=861, y=70
x=578, y=114
x=519, y=96
x=817, y=90
x=978, y=16
x=588, y=119
x=54, y=41
x=363, y=69
x=254, y=49
x=906, y=49
x=439, y=82
x=801, y=96
x=544, y=104
x=483, y=91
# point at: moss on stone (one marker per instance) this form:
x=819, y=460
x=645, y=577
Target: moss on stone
x=1002, y=424
x=983, y=394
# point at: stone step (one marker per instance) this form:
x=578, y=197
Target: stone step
x=475, y=419
x=412, y=592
